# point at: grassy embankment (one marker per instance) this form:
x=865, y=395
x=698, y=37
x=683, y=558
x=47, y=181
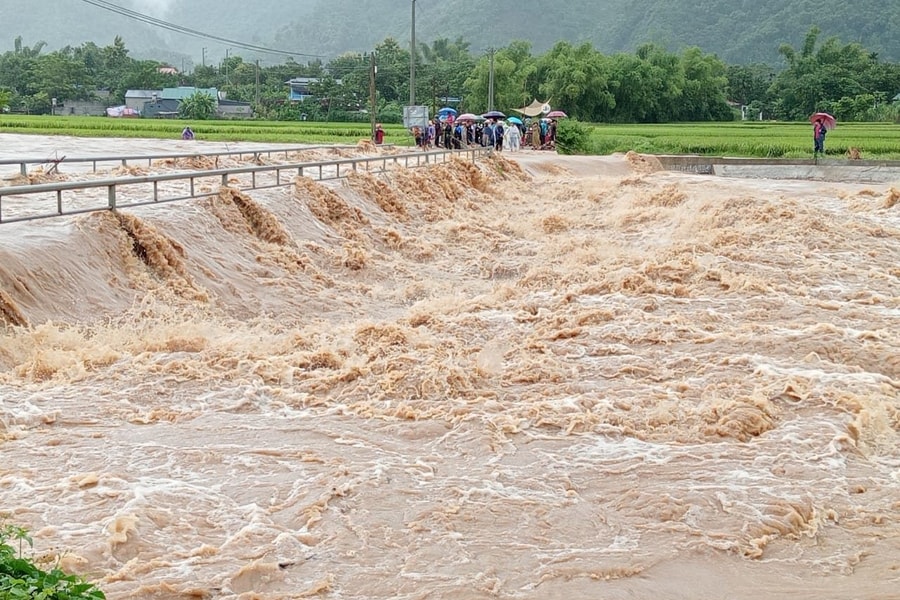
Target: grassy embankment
x=747, y=139
x=753, y=139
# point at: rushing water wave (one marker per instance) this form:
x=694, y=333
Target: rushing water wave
x=537, y=377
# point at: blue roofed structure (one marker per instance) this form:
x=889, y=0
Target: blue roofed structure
x=180, y=93
x=300, y=87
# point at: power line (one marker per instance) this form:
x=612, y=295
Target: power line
x=188, y=31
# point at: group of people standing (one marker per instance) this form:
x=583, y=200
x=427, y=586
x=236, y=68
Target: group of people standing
x=493, y=133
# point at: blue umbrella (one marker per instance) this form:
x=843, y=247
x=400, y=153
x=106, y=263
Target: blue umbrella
x=515, y=120
x=447, y=111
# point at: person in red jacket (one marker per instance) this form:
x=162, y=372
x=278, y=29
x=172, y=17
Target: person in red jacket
x=379, y=134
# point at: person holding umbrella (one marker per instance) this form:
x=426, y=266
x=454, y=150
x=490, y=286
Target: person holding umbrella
x=818, y=137
x=822, y=122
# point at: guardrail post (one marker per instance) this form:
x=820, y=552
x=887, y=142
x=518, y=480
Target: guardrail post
x=59, y=202
x=224, y=179
x=23, y=169
x=111, y=196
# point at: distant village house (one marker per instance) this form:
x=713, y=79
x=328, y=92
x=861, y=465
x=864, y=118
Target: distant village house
x=164, y=103
x=91, y=108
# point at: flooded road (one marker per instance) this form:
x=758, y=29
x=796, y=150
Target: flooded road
x=541, y=377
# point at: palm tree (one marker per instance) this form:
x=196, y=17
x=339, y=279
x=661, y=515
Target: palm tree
x=25, y=51
x=199, y=105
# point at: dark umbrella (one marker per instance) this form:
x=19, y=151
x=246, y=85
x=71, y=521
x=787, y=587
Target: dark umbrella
x=494, y=114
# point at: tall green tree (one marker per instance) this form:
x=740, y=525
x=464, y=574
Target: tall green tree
x=703, y=93
x=392, y=81
x=513, y=67
x=444, y=69
x=648, y=86
x=18, y=68
x=577, y=79
x=60, y=75
x=820, y=74
x=749, y=83
x=351, y=70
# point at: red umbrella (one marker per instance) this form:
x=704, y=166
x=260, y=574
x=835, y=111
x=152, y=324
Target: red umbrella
x=827, y=120
x=557, y=114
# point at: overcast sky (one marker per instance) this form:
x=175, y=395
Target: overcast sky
x=156, y=8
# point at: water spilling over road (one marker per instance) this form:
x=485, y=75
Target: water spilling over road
x=544, y=377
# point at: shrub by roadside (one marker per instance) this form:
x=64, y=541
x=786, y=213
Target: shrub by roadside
x=21, y=577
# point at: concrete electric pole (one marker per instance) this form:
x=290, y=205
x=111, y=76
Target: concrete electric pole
x=412, y=59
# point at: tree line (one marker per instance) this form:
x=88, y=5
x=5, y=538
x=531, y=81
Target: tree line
x=651, y=85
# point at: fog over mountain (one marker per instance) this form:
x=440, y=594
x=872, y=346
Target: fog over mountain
x=739, y=31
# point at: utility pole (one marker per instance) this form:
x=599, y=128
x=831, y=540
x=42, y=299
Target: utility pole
x=203, y=60
x=412, y=58
x=257, y=82
x=227, y=50
x=372, y=102
x=491, y=83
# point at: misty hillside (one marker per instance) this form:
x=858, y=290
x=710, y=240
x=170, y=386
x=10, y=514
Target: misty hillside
x=739, y=31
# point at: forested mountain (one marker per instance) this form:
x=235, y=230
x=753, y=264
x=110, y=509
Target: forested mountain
x=738, y=31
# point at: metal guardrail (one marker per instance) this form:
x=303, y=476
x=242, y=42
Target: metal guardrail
x=23, y=163
x=315, y=170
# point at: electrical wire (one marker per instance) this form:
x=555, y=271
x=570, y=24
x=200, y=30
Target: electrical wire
x=146, y=19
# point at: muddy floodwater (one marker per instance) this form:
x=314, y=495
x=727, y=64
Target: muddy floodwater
x=532, y=377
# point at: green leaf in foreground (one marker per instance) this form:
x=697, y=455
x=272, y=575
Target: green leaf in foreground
x=21, y=577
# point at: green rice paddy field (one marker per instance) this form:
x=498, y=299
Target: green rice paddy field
x=748, y=139
x=751, y=139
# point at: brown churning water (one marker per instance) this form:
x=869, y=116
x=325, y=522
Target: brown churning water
x=541, y=377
